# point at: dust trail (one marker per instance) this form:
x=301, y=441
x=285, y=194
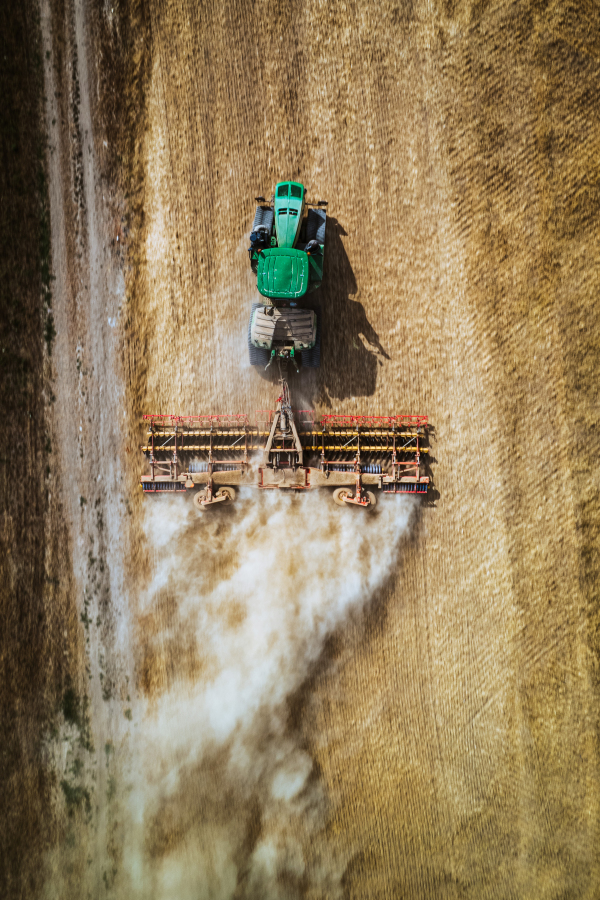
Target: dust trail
x=237, y=609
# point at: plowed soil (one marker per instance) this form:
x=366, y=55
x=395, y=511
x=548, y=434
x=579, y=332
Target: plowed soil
x=452, y=728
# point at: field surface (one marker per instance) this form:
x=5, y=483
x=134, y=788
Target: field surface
x=289, y=700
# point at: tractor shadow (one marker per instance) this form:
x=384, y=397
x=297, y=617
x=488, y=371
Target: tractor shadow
x=348, y=365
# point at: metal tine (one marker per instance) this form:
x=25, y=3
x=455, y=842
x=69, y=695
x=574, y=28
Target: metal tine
x=406, y=444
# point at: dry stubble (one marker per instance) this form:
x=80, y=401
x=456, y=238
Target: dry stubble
x=454, y=729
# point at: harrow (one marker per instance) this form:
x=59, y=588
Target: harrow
x=283, y=449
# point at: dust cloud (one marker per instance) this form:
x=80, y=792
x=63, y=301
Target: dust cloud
x=239, y=604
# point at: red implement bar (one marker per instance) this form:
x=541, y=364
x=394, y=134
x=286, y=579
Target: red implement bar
x=224, y=421
x=373, y=421
x=263, y=416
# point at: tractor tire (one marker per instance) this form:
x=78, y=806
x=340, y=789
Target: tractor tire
x=267, y=221
x=258, y=356
x=263, y=216
x=258, y=218
x=315, y=225
x=228, y=492
x=339, y=494
x=321, y=229
x=311, y=359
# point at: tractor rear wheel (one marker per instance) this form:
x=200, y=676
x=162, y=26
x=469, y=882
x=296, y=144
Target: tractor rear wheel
x=339, y=494
x=311, y=359
x=258, y=356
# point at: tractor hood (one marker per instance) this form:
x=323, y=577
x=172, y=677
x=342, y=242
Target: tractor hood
x=288, y=209
x=282, y=273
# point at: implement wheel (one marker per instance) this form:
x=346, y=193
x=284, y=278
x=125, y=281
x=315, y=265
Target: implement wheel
x=228, y=493
x=339, y=494
x=198, y=497
x=372, y=499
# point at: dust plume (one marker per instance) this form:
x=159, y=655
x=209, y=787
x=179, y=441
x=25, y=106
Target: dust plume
x=239, y=604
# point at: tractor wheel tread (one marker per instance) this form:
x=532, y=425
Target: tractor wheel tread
x=311, y=359
x=315, y=225
x=258, y=356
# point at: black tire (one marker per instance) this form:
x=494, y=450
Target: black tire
x=263, y=216
x=321, y=231
x=258, y=356
x=258, y=218
x=267, y=221
x=311, y=359
x=315, y=225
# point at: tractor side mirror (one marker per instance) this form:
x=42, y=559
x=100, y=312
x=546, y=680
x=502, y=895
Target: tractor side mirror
x=322, y=203
x=260, y=199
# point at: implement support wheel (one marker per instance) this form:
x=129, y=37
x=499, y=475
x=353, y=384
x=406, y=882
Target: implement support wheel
x=372, y=499
x=339, y=494
x=227, y=492
x=198, y=497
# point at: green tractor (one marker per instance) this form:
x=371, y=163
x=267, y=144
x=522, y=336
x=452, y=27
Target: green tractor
x=287, y=246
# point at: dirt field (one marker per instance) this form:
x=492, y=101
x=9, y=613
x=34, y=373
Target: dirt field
x=284, y=703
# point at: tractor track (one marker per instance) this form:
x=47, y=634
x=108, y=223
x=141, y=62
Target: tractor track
x=451, y=729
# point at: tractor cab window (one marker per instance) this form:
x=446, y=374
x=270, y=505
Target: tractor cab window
x=282, y=190
x=295, y=190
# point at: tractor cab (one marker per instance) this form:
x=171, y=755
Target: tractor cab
x=287, y=244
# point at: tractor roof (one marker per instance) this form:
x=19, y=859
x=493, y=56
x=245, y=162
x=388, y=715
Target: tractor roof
x=282, y=273
x=289, y=200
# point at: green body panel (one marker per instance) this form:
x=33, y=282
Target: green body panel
x=289, y=210
x=283, y=273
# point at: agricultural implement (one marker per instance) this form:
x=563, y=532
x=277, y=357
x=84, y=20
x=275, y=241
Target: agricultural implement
x=287, y=450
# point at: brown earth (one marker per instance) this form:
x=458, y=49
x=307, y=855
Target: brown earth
x=39, y=672
x=453, y=727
